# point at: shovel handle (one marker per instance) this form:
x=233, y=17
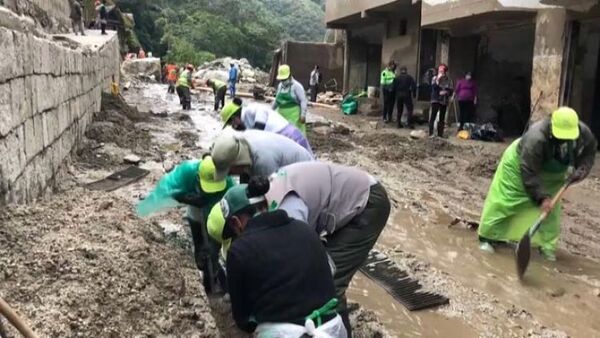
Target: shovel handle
x=15, y=320
x=545, y=214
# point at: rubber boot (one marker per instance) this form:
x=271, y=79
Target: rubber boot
x=486, y=247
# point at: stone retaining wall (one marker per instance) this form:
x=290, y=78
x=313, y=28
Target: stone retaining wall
x=48, y=94
x=51, y=15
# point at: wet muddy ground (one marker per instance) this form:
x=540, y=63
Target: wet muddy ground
x=79, y=255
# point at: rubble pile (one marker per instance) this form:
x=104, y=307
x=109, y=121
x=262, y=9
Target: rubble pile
x=329, y=97
x=219, y=69
x=144, y=69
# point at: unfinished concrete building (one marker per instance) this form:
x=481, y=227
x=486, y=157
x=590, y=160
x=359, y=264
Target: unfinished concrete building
x=525, y=54
x=377, y=31
x=528, y=56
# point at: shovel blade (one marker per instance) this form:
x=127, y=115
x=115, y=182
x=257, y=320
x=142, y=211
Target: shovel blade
x=523, y=254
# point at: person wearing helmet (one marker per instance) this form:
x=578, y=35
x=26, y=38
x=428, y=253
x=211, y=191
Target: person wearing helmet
x=554, y=151
x=290, y=100
x=192, y=183
x=254, y=152
x=261, y=117
x=219, y=90
x=184, y=86
x=278, y=272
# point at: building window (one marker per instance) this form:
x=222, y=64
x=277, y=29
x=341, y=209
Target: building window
x=396, y=28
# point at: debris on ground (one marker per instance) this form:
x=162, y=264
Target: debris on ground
x=330, y=98
x=484, y=167
x=113, y=124
x=132, y=159
x=219, y=69
x=148, y=69
x=82, y=264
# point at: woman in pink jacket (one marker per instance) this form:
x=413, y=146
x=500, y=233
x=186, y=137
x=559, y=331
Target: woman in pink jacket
x=466, y=94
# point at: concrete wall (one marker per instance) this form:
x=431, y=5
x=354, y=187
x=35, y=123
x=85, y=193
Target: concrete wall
x=404, y=49
x=50, y=15
x=338, y=9
x=48, y=94
x=546, y=75
x=302, y=56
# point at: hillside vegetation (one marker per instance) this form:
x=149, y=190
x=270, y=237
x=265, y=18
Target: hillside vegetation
x=200, y=30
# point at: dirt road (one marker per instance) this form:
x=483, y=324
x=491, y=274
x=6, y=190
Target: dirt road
x=80, y=263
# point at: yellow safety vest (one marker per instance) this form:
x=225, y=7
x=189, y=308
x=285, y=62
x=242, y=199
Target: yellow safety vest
x=183, y=79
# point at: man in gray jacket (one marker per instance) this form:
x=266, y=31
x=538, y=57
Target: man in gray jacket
x=254, y=153
x=345, y=205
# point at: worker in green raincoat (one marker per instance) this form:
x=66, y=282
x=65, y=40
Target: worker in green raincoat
x=192, y=183
x=290, y=100
x=533, y=169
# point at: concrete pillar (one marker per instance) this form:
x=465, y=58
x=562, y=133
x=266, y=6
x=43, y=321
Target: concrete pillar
x=346, y=62
x=548, y=51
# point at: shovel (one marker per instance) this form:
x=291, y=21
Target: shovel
x=524, y=247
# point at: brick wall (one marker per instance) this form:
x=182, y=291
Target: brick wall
x=48, y=94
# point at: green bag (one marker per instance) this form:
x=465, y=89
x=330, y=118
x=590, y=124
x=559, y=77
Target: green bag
x=349, y=105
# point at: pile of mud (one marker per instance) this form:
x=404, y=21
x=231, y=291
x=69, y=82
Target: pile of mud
x=484, y=166
x=82, y=264
x=116, y=123
x=394, y=148
x=331, y=140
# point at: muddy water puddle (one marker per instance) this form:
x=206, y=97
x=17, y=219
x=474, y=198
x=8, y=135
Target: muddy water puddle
x=400, y=322
x=559, y=294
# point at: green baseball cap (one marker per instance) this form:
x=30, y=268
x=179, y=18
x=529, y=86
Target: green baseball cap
x=230, y=109
x=284, y=72
x=235, y=199
x=565, y=124
x=215, y=226
x=206, y=173
x=229, y=151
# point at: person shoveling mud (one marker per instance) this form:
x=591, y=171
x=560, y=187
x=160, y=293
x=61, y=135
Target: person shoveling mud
x=534, y=168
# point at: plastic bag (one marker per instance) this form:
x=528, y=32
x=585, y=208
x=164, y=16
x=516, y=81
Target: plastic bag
x=349, y=105
x=182, y=180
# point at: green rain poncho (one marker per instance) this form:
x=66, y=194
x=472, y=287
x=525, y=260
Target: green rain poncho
x=180, y=184
x=509, y=211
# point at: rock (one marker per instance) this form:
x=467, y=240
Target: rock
x=132, y=159
x=418, y=134
x=168, y=165
x=105, y=205
x=374, y=124
x=341, y=129
x=596, y=292
x=556, y=292
x=148, y=67
x=322, y=130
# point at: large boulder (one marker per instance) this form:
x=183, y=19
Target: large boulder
x=144, y=68
x=206, y=74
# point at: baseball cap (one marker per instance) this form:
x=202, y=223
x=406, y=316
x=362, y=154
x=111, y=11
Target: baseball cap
x=229, y=151
x=206, y=173
x=565, y=124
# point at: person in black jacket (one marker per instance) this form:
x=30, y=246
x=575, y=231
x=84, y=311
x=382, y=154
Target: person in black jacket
x=404, y=85
x=103, y=17
x=278, y=273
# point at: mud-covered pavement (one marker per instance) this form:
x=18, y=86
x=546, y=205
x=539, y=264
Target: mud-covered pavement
x=80, y=263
